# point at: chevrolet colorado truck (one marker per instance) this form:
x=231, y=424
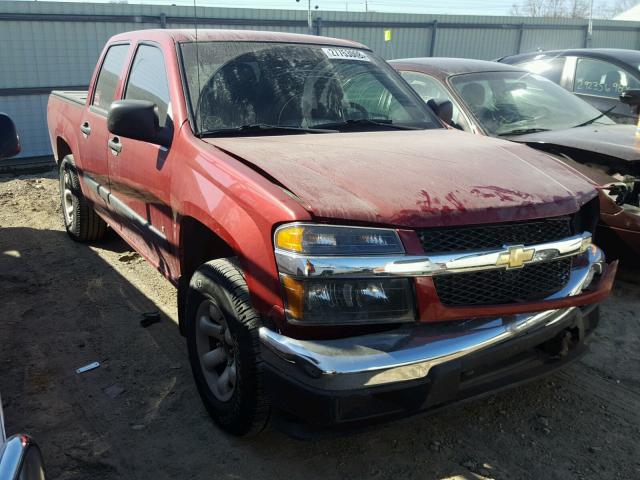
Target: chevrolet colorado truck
x=341, y=257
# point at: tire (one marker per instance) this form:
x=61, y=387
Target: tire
x=80, y=220
x=224, y=350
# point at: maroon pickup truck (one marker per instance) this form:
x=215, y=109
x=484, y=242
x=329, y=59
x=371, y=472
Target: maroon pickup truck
x=340, y=256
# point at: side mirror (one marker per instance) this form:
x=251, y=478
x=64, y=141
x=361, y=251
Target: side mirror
x=137, y=119
x=443, y=109
x=630, y=97
x=9, y=140
x=22, y=459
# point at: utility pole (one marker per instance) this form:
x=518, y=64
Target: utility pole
x=309, y=18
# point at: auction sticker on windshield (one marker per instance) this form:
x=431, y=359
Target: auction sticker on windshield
x=346, y=54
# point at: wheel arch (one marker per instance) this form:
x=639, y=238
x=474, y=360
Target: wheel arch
x=202, y=237
x=62, y=149
x=198, y=244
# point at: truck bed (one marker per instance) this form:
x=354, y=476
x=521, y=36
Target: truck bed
x=74, y=96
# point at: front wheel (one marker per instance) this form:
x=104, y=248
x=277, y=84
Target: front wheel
x=80, y=220
x=223, y=343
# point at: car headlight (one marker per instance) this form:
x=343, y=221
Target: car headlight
x=337, y=240
x=322, y=298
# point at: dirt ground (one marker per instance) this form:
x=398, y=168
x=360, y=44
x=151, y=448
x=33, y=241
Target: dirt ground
x=63, y=305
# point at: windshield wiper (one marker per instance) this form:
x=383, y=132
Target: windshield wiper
x=589, y=122
x=261, y=128
x=365, y=122
x=523, y=131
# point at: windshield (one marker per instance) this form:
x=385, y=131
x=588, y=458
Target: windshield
x=241, y=84
x=511, y=103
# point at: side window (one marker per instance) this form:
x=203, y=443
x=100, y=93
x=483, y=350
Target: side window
x=366, y=92
x=602, y=79
x=429, y=88
x=550, y=68
x=108, y=77
x=148, y=80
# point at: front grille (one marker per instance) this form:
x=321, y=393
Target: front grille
x=492, y=287
x=457, y=239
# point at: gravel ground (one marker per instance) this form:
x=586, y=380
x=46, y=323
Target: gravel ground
x=63, y=305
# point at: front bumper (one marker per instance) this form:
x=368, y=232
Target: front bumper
x=305, y=408
x=418, y=366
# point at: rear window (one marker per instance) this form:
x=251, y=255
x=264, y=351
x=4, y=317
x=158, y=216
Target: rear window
x=550, y=68
x=110, y=71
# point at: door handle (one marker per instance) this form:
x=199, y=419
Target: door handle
x=85, y=129
x=115, y=145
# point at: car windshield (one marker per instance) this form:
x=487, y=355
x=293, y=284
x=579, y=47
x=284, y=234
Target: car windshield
x=513, y=103
x=261, y=86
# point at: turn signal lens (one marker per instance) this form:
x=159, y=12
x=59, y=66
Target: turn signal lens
x=337, y=240
x=290, y=238
x=294, y=292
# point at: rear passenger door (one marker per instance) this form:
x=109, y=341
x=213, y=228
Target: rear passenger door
x=600, y=83
x=139, y=171
x=92, y=131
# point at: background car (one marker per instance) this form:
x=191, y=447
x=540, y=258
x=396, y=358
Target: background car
x=597, y=75
x=498, y=100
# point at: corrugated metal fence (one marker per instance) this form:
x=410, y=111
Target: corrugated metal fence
x=46, y=45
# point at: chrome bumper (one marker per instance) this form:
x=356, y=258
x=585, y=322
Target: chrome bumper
x=411, y=351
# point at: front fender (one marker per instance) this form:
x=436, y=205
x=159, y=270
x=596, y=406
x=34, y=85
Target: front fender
x=242, y=208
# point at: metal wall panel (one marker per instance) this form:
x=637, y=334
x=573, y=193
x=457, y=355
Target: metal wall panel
x=614, y=39
x=46, y=44
x=485, y=44
x=29, y=112
x=533, y=40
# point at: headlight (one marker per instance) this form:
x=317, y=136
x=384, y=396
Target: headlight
x=348, y=302
x=317, y=298
x=337, y=240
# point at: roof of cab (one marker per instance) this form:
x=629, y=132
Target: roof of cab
x=215, y=35
x=442, y=67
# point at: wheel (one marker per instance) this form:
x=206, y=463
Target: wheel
x=80, y=220
x=222, y=339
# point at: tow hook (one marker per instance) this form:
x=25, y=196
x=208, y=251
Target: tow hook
x=560, y=346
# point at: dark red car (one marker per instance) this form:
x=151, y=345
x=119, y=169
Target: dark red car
x=339, y=255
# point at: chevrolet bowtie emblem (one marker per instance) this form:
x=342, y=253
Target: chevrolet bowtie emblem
x=516, y=257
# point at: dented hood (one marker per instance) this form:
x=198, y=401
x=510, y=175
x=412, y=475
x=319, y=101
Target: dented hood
x=414, y=178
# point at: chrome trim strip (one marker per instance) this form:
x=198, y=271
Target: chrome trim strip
x=408, y=352
x=304, y=266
